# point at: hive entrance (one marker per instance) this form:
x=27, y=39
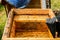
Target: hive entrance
x=31, y=29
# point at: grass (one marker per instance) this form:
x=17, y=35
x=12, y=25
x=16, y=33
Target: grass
x=55, y=5
x=2, y=20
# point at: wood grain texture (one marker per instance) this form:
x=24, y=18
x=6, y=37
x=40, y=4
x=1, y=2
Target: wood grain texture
x=30, y=18
x=32, y=38
x=12, y=33
x=31, y=11
x=29, y=15
x=7, y=26
x=32, y=29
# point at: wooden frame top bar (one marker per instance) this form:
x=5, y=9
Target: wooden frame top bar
x=30, y=18
x=28, y=38
x=31, y=11
x=46, y=14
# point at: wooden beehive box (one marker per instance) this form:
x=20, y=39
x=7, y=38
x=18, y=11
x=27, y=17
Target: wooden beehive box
x=28, y=24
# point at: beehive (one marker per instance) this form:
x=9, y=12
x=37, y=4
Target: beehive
x=24, y=24
x=29, y=23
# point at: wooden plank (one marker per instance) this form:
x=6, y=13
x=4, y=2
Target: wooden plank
x=28, y=38
x=12, y=33
x=50, y=35
x=7, y=26
x=57, y=38
x=36, y=26
x=32, y=38
x=33, y=33
x=30, y=18
x=31, y=11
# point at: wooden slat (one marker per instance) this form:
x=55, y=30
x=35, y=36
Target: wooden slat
x=31, y=11
x=34, y=33
x=30, y=18
x=36, y=26
x=50, y=35
x=12, y=33
x=7, y=26
x=30, y=38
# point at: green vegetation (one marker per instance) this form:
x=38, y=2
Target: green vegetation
x=55, y=4
x=2, y=20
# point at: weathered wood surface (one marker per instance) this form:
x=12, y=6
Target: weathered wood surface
x=12, y=33
x=7, y=26
x=33, y=34
x=31, y=11
x=32, y=15
x=30, y=18
x=31, y=29
x=35, y=12
x=39, y=15
x=31, y=26
x=28, y=38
